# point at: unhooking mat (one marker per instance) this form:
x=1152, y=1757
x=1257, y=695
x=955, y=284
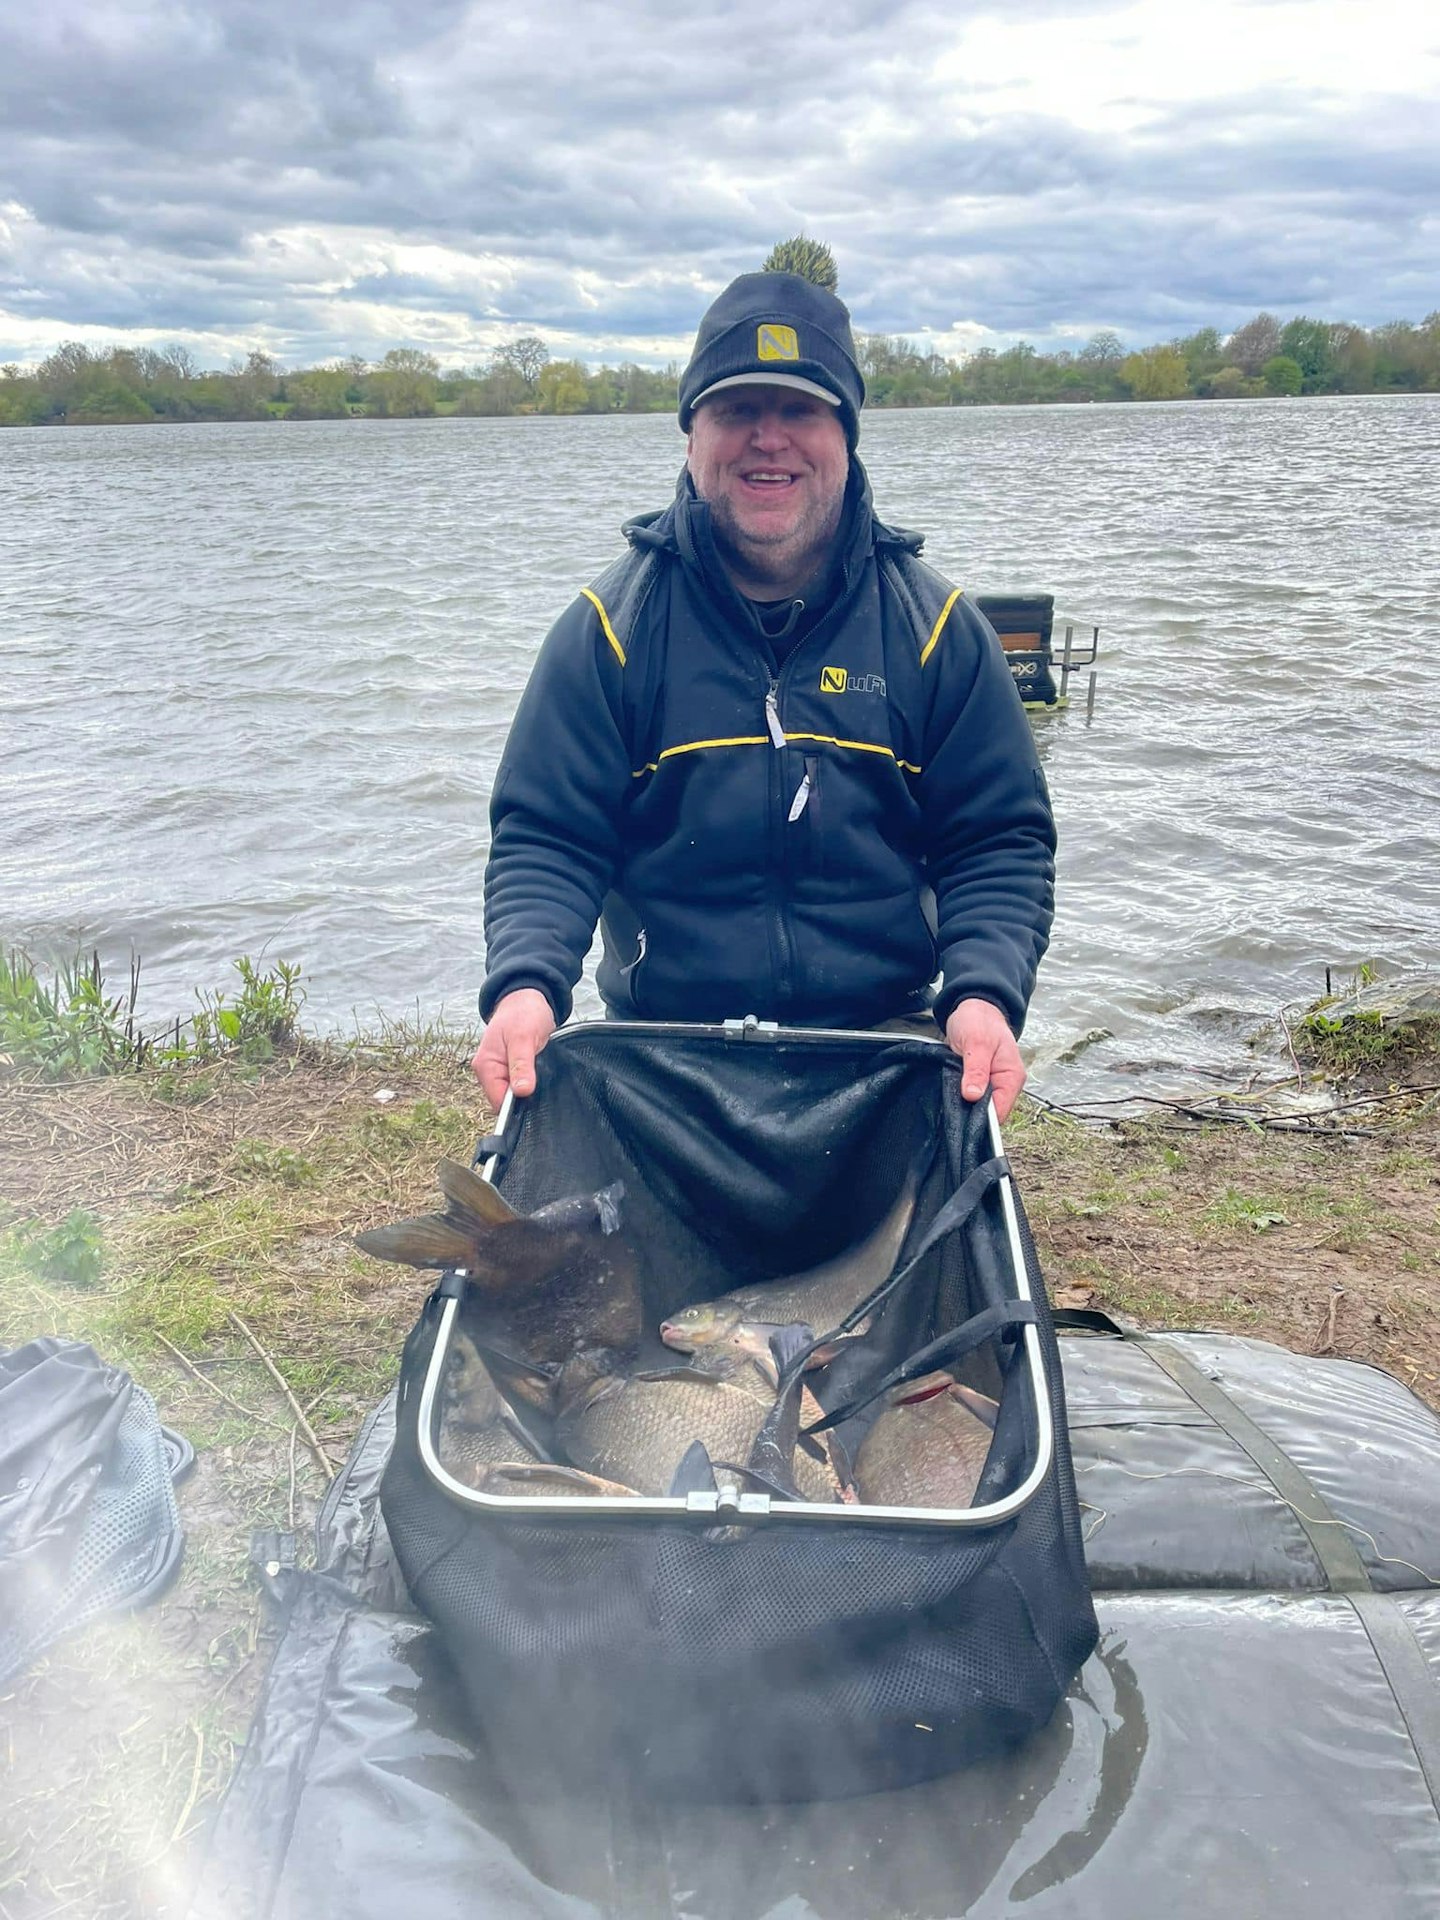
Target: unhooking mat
x=1266, y=1752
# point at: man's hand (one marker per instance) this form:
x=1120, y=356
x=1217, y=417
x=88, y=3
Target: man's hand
x=518, y=1029
x=981, y=1035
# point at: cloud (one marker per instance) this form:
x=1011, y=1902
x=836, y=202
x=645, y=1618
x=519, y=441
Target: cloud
x=448, y=173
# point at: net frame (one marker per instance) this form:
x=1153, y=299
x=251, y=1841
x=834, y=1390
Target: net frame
x=729, y=1504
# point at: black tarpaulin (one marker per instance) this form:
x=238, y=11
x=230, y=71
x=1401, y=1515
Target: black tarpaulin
x=1245, y=1755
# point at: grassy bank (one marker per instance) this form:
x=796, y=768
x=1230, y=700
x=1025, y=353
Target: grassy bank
x=194, y=1221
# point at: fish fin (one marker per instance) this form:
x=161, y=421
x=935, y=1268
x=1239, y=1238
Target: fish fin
x=678, y=1373
x=832, y=1345
x=980, y=1404
x=428, y=1241
x=579, y=1212
x=526, y=1380
x=607, y=1205
x=522, y=1475
x=788, y=1344
x=694, y=1474
x=476, y=1202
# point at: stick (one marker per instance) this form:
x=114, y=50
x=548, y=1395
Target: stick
x=263, y=1418
x=1290, y=1043
x=194, y=1785
x=295, y=1407
x=1327, y=1344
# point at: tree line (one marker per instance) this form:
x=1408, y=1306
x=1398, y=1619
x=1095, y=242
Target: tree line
x=80, y=386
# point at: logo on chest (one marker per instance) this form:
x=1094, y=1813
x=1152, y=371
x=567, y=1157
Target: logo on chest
x=840, y=680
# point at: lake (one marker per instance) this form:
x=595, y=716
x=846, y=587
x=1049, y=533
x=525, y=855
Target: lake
x=257, y=679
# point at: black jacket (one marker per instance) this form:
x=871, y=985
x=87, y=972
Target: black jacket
x=813, y=841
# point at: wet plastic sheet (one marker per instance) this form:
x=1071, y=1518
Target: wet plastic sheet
x=1181, y=1494
x=1238, y=1754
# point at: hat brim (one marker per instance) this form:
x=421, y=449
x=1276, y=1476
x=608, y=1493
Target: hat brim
x=795, y=380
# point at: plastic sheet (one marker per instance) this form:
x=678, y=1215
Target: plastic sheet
x=1246, y=1754
x=1171, y=1499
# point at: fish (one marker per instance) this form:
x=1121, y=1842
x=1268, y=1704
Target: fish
x=482, y=1444
x=477, y=1430
x=638, y=1427
x=927, y=1447
x=821, y=1297
x=661, y=1427
x=658, y=1428
x=544, y=1286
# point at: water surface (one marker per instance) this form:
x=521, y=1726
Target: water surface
x=257, y=679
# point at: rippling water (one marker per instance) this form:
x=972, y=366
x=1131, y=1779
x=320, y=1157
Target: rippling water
x=257, y=679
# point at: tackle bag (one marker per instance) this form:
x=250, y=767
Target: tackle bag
x=738, y=1646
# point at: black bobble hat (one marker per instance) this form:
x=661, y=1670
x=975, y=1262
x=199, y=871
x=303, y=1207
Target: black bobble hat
x=776, y=329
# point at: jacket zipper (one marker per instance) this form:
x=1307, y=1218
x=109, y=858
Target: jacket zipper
x=784, y=952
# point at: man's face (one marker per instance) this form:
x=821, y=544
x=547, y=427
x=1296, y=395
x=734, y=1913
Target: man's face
x=772, y=462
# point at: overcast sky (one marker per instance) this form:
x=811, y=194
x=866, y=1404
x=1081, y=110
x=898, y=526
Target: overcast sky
x=319, y=180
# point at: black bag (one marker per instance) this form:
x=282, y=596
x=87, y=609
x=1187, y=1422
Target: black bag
x=784, y=1653
x=88, y=1516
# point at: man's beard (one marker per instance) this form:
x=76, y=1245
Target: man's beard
x=799, y=553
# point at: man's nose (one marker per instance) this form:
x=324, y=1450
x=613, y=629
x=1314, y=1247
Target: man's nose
x=770, y=430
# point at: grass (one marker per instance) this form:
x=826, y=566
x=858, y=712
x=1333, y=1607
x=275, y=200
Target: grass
x=213, y=1189
x=216, y=1190
x=1344, y=1042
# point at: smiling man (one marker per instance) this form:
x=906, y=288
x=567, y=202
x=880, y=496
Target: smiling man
x=776, y=756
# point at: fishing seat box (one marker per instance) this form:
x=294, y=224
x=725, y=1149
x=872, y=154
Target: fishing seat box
x=734, y=1644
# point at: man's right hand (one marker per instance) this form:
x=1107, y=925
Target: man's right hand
x=517, y=1030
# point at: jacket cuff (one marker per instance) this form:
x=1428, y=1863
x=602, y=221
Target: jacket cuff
x=951, y=994
x=497, y=985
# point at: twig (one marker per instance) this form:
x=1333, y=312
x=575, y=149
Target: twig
x=1327, y=1344
x=194, y=1785
x=1290, y=1043
x=305, y=1427
x=264, y=1418
x=293, y=1431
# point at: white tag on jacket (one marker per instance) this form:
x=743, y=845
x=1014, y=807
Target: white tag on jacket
x=798, y=804
x=772, y=720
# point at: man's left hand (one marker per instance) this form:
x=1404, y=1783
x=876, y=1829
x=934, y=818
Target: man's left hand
x=980, y=1034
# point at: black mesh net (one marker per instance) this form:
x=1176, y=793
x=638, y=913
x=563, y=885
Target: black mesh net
x=781, y=1659
x=88, y=1516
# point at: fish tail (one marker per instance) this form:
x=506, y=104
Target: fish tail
x=429, y=1241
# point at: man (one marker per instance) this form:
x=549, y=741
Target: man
x=780, y=759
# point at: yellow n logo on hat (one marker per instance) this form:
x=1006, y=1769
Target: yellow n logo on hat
x=773, y=342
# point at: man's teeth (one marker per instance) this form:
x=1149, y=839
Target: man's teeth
x=755, y=478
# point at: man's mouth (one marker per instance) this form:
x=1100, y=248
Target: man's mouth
x=768, y=477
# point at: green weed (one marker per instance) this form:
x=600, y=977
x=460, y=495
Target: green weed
x=390, y=1135
x=65, y=1026
x=1232, y=1209
x=259, y=1021
x=69, y=1254
x=268, y=1162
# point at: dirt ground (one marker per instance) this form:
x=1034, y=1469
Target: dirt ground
x=220, y=1204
